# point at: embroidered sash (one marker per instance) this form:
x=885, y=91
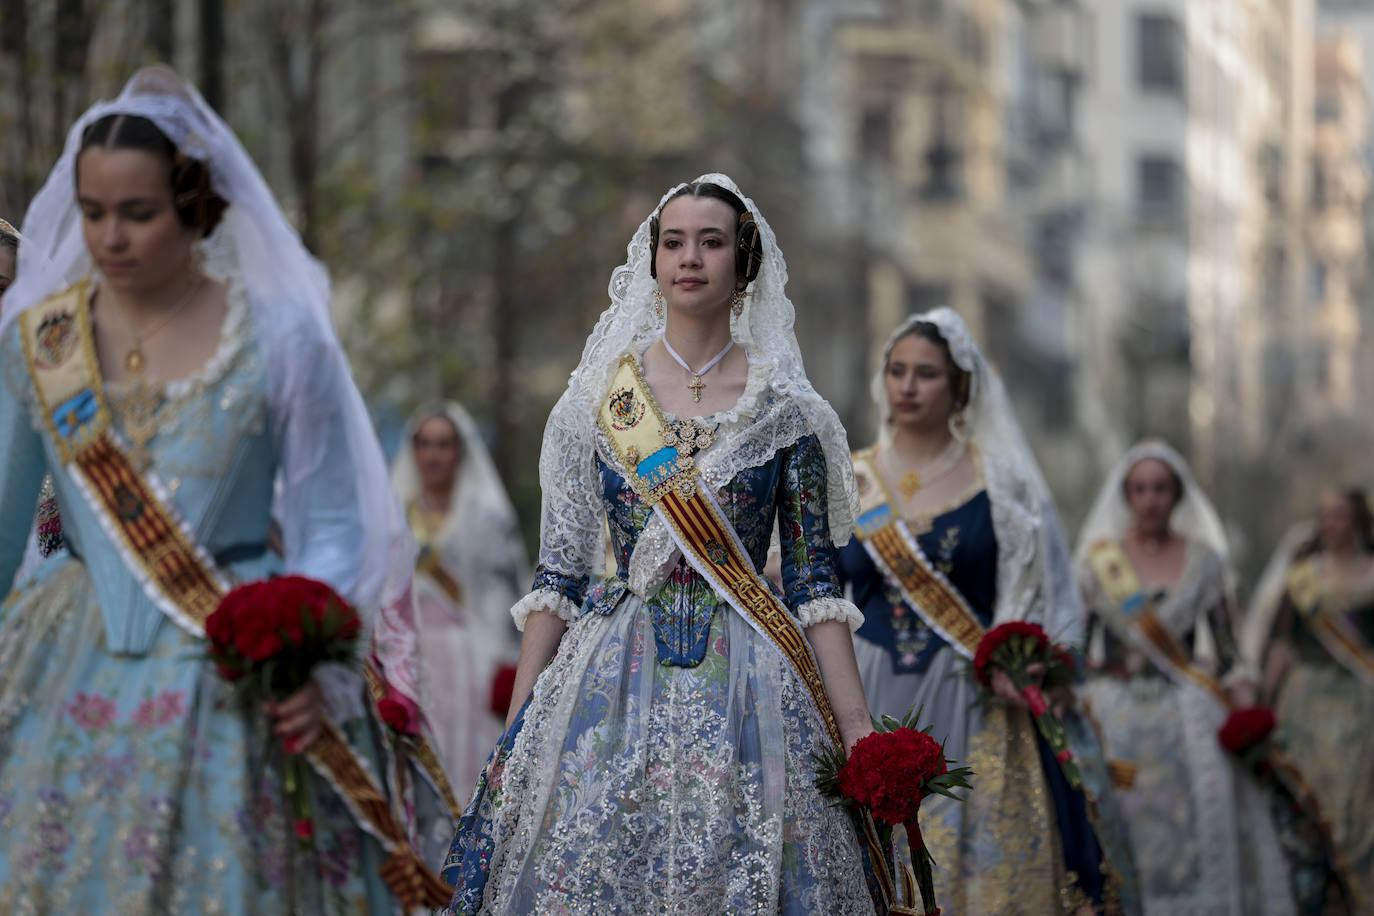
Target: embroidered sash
x=160, y=550
x=657, y=459
x=899, y=557
x=1333, y=629
x=1123, y=589
x=429, y=566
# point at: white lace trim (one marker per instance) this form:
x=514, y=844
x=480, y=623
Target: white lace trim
x=819, y=610
x=546, y=600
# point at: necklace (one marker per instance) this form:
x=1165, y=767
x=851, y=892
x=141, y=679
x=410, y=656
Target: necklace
x=696, y=384
x=134, y=360
x=140, y=408
x=912, y=481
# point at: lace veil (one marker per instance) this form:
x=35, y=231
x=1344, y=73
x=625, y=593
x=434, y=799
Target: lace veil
x=1110, y=516
x=1034, y=579
x=481, y=533
x=779, y=407
x=288, y=292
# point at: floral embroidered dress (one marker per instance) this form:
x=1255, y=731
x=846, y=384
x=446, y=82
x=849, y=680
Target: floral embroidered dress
x=1022, y=843
x=131, y=779
x=1200, y=827
x=664, y=761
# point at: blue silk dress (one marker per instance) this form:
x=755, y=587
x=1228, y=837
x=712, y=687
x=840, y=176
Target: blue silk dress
x=664, y=762
x=131, y=778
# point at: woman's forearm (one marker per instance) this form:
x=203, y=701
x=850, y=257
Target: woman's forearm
x=543, y=633
x=834, y=648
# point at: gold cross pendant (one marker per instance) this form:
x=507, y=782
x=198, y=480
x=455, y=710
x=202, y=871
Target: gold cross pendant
x=696, y=384
x=909, y=484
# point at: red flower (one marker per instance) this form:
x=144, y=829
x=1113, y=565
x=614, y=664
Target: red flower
x=886, y=772
x=256, y=636
x=1015, y=637
x=304, y=829
x=1246, y=728
x=394, y=714
x=502, y=689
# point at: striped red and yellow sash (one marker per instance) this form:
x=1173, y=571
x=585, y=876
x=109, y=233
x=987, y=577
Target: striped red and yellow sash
x=161, y=551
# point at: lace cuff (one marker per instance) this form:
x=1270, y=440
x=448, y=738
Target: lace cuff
x=342, y=688
x=543, y=599
x=819, y=610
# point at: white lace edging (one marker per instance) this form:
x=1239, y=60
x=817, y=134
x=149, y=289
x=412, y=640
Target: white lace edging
x=546, y=600
x=819, y=610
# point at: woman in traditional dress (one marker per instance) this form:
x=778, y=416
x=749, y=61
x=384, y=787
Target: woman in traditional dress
x=1164, y=671
x=957, y=534
x=664, y=760
x=1310, y=628
x=466, y=580
x=167, y=353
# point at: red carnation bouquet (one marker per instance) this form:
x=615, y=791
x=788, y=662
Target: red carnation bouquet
x=1012, y=648
x=266, y=637
x=889, y=773
x=1247, y=729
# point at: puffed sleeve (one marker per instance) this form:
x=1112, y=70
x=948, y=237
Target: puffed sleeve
x=809, y=576
x=21, y=459
x=571, y=515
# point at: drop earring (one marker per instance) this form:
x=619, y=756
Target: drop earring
x=737, y=303
x=658, y=302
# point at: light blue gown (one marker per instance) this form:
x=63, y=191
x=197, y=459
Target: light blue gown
x=131, y=778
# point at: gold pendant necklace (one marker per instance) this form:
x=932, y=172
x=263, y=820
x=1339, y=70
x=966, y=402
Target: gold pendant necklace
x=139, y=407
x=910, y=482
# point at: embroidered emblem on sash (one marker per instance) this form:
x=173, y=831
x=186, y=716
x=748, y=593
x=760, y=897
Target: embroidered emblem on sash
x=625, y=410
x=56, y=340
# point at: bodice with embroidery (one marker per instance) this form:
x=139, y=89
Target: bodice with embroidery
x=788, y=486
x=962, y=545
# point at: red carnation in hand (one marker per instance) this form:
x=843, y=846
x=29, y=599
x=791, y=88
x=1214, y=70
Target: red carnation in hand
x=885, y=772
x=1246, y=728
x=1017, y=637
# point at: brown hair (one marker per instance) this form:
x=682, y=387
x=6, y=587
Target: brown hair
x=197, y=206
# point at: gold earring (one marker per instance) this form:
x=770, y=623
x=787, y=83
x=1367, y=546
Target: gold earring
x=737, y=303
x=658, y=302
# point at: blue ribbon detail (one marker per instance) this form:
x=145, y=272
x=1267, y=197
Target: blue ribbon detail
x=74, y=414
x=1133, y=603
x=874, y=520
x=658, y=467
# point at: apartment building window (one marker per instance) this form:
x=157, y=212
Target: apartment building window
x=1054, y=95
x=1161, y=189
x=1161, y=53
x=876, y=131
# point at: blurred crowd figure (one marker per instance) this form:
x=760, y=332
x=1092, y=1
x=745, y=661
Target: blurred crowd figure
x=468, y=575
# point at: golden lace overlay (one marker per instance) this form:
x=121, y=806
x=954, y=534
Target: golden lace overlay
x=998, y=853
